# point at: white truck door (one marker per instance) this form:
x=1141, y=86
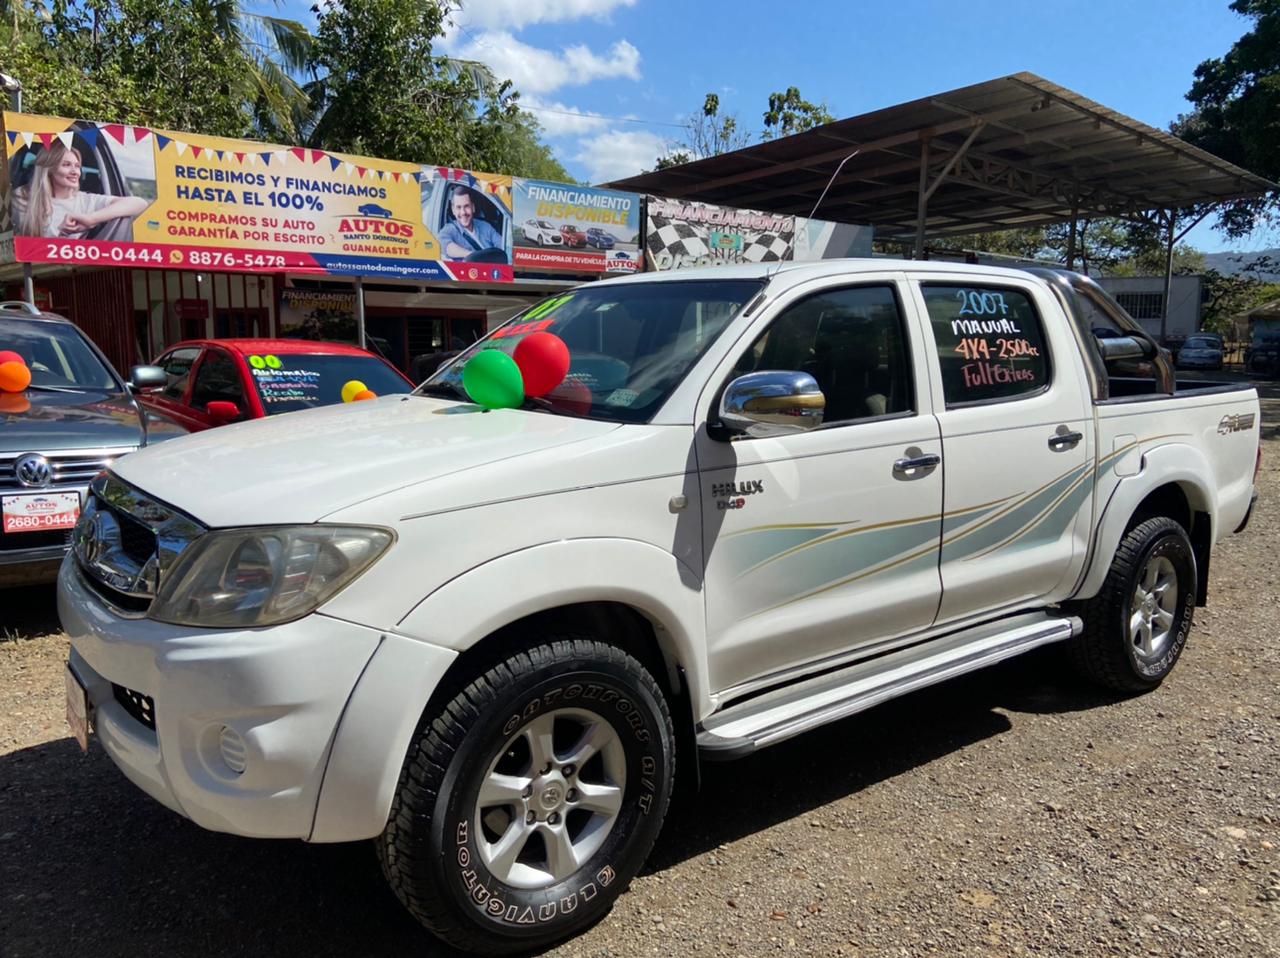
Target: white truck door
x=1017, y=435
x=818, y=542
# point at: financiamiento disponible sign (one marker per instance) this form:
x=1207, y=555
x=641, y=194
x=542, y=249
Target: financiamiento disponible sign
x=575, y=228
x=84, y=193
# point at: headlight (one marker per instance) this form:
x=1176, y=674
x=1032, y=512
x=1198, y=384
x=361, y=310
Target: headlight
x=264, y=575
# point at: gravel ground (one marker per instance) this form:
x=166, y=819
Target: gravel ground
x=1014, y=812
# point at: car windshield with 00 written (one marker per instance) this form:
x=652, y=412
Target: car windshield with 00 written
x=629, y=344
x=293, y=381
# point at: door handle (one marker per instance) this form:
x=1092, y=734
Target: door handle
x=904, y=466
x=1064, y=440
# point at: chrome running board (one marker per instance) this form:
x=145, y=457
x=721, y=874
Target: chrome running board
x=785, y=712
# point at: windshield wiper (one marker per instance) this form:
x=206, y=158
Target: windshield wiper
x=69, y=389
x=446, y=390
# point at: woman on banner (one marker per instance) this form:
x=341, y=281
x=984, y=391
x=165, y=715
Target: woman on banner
x=52, y=204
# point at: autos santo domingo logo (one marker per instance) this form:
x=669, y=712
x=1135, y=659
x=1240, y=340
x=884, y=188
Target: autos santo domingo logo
x=374, y=231
x=732, y=495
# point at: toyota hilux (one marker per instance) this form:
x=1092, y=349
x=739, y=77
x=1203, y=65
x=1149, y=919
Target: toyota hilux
x=765, y=498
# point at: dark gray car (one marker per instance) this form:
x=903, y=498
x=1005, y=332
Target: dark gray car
x=75, y=418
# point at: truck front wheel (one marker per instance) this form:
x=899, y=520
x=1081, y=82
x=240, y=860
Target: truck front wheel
x=1137, y=625
x=530, y=800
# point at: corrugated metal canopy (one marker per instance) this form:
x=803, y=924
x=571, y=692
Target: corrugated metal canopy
x=1014, y=152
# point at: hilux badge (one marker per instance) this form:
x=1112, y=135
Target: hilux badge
x=730, y=495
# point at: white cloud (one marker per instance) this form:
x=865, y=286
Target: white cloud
x=534, y=70
x=618, y=153
x=558, y=119
x=517, y=14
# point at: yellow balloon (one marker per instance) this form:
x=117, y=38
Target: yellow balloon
x=350, y=389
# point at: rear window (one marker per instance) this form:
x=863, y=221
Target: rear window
x=286, y=383
x=990, y=342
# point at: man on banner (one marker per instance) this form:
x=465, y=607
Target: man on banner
x=464, y=236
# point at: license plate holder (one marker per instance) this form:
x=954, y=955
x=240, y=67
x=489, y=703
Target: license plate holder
x=39, y=511
x=78, y=708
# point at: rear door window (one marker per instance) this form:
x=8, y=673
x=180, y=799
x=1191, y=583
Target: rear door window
x=990, y=342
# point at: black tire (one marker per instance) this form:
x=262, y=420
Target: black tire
x=1106, y=652
x=429, y=850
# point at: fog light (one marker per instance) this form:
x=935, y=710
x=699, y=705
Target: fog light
x=234, y=752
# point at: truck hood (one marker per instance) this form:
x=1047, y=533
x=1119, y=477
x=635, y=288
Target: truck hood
x=302, y=466
x=39, y=421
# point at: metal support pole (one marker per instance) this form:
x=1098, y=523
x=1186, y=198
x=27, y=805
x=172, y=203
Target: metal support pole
x=922, y=204
x=360, y=311
x=1168, y=275
x=1071, y=237
x=28, y=287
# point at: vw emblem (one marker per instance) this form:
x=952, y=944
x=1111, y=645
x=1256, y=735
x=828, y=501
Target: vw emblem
x=33, y=471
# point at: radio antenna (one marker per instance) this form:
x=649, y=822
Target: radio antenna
x=791, y=250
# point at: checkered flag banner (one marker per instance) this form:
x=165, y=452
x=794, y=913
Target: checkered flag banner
x=680, y=234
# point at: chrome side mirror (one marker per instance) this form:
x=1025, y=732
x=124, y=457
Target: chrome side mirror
x=147, y=377
x=772, y=403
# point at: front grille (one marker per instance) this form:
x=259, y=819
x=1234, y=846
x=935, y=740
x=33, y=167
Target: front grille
x=136, y=540
x=70, y=468
x=140, y=706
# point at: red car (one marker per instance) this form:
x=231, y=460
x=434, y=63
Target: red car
x=572, y=236
x=212, y=382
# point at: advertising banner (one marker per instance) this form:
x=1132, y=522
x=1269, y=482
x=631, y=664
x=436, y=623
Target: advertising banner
x=680, y=234
x=576, y=228
x=85, y=193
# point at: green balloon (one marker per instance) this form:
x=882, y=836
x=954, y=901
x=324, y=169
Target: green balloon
x=492, y=379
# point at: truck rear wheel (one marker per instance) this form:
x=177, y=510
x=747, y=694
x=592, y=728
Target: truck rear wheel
x=1137, y=625
x=530, y=800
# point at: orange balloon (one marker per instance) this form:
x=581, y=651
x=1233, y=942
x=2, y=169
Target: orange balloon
x=13, y=404
x=364, y=394
x=14, y=377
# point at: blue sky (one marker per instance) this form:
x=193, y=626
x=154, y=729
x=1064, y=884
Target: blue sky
x=643, y=65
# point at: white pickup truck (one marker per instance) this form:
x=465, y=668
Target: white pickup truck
x=765, y=498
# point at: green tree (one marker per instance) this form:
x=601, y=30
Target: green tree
x=707, y=133
x=1236, y=111
x=380, y=90
x=203, y=65
x=790, y=113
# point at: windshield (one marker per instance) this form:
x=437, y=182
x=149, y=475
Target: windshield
x=1201, y=342
x=629, y=344
x=56, y=354
x=290, y=382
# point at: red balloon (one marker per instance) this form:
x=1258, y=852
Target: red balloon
x=14, y=377
x=543, y=359
x=364, y=394
x=9, y=356
x=572, y=395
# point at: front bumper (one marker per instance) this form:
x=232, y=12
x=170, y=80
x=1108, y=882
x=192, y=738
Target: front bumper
x=281, y=692
x=30, y=566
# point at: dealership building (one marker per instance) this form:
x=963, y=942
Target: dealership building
x=203, y=237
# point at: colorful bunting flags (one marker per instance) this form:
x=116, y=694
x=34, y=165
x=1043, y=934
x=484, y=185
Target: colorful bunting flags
x=115, y=131
x=162, y=141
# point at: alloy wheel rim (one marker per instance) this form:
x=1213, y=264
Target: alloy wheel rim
x=550, y=798
x=1152, y=608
